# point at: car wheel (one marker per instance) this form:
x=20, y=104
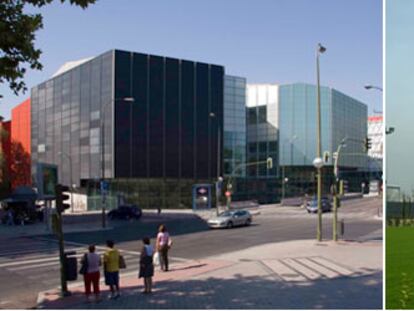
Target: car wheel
x=229, y=225
x=248, y=222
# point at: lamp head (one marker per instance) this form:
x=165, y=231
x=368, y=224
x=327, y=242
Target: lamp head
x=321, y=48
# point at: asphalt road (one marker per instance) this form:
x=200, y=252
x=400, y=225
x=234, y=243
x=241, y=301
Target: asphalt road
x=30, y=265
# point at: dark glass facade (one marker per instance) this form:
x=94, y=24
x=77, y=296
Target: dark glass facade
x=154, y=112
x=167, y=131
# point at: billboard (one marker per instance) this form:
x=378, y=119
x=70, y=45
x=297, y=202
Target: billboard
x=47, y=179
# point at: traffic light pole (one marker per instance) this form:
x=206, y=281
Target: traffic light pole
x=60, y=208
x=63, y=283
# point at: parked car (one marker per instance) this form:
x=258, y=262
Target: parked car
x=312, y=205
x=230, y=219
x=125, y=212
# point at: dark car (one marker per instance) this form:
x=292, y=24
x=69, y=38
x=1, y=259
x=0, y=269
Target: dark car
x=125, y=212
x=312, y=205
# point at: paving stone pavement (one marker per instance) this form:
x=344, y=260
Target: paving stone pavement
x=291, y=275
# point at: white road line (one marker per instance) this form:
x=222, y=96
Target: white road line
x=284, y=271
x=319, y=268
x=21, y=253
x=330, y=265
x=303, y=270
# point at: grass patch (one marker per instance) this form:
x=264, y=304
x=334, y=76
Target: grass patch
x=399, y=259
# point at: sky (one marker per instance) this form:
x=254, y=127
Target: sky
x=399, y=94
x=266, y=41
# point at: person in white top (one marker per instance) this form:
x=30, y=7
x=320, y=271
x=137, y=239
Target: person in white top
x=146, y=267
x=163, y=244
x=92, y=261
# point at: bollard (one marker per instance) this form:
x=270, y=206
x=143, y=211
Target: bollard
x=342, y=225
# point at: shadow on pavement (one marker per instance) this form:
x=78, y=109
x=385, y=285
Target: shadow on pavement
x=355, y=292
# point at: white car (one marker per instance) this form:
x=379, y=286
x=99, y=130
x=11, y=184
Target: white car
x=230, y=219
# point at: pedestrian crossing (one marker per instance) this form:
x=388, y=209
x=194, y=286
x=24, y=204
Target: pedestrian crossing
x=305, y=269
x=35, y=258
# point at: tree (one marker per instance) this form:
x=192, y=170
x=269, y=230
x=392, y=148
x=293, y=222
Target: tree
x=17, y=36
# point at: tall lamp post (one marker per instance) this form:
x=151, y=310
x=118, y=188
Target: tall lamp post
x=335, y=188
x=370, y=87
x=219, y=181
x=103, y=191
x=318, y=162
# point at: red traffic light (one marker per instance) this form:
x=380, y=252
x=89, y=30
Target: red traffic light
x=228, y=193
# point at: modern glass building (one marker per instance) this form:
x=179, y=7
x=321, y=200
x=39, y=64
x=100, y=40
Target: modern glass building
x=234, y=126
x=341, y=117
x=149, y=115
x=262, y=129
x=282, y=124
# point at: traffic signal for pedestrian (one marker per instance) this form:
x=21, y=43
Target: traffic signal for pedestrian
x=367, y=143
x=61, y=198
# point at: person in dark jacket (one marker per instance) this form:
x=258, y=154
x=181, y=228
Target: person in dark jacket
x=146, y=267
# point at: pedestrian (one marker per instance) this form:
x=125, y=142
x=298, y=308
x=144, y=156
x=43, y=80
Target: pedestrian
x=90, y=263
x=10, y=217
x=146, y=267
x=111, y=268
x=163, y=244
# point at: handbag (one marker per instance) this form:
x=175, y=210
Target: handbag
x=156, y=259
x=84, y=265
x=122, y=264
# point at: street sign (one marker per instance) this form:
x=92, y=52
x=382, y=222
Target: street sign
x=104, y=186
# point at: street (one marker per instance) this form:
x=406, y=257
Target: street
x=30, y=264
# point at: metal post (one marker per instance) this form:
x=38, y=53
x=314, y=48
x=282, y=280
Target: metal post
x=319, y=151
x=63, y=283
x=283, y=183
x=103, y=198
x=335, y=218
x=218, y=167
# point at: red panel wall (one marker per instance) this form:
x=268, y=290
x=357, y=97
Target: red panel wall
x=20, y=145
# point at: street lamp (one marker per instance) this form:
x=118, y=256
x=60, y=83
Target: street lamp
x=318, y=162
x=219, y=181
x=335, y=188
x=104, y=108
x=70, y=176
x=369, y=87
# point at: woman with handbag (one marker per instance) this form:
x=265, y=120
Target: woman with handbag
x=146, y=267
x=163, y=244
x=90, y=263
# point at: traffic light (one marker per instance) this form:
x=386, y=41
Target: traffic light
x=269, y=163
x=61, y=198
x=367, y=143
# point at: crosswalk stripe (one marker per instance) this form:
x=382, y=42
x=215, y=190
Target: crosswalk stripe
x=330, y=265
x=320, y=269
x=303, y=270
x=285, y=272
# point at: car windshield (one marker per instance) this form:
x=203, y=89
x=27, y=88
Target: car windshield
x=226, y=214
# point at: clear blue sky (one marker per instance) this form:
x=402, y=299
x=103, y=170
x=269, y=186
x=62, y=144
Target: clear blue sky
x=264, y=41
x=400, y=93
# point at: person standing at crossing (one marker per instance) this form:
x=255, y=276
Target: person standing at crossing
x=90, y=269
x=111, y=269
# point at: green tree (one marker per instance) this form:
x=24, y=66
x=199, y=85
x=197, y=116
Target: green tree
x=17, y=36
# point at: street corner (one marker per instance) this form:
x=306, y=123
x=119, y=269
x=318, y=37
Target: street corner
x=130, y=285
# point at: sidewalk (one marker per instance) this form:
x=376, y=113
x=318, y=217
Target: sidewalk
x=288, y=275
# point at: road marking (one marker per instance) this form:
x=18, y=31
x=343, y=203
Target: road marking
x=303, y=270
x=320, y=269
x=283, y=271
x=332, y=266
